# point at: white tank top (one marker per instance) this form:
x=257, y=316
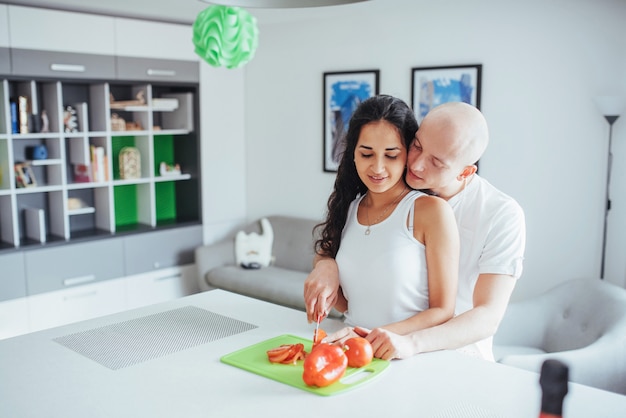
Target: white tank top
x=383, y=275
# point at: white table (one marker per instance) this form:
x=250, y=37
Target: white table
x=40, y=377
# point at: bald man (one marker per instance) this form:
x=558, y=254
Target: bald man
x=442, y=159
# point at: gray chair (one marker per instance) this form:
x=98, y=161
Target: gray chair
x=580, y=322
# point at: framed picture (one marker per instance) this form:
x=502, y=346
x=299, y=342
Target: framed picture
x=343, y=91
x=24, y=176
x=432, y=86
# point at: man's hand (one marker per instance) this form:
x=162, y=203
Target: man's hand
x=321, y=289
x=388, y=345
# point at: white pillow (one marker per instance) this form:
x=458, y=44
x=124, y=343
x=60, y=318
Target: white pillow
x=254, y=250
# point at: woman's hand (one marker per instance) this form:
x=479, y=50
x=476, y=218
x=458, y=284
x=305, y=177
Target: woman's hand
x=321, y=289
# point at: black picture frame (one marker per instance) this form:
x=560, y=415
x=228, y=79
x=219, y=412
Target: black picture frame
x=454, y=82
x=343, y=91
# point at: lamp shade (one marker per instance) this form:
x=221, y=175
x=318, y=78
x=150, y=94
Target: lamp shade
x=225, y=36
x=611, y=105
x=281, y=4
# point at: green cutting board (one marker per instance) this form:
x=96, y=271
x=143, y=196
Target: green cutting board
x=254, y=359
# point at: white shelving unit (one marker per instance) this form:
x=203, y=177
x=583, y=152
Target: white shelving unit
x=109, y=202
x=127, y=241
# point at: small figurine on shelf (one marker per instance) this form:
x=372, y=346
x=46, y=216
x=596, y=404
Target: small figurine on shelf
x=117, y=123
x=133, y=126
x=166, y=169
x=37, y=152
x=70, y=121
x=45, y=123
x=139, y=101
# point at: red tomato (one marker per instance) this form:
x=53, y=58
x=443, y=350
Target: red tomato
x=359, y=351
x=324, y=365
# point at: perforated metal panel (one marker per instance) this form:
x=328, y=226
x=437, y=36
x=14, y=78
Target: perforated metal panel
x=137, y=340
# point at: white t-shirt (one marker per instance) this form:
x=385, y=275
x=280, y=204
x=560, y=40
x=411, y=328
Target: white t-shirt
x=492, y=229
x=383, y=274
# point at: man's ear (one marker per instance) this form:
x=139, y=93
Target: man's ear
x=467, y=171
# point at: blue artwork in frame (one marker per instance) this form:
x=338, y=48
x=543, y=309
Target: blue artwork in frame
x=433, y=86
x=343, y=92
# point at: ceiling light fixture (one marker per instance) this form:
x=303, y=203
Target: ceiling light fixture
x=280, y=4
x=225, y=36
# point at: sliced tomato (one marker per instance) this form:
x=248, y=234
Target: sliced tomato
x=278, y=354
x=286, y=353
x=295, y=354
x=318, y=337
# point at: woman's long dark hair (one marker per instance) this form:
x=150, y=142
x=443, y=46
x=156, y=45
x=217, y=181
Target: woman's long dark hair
x=348, y=185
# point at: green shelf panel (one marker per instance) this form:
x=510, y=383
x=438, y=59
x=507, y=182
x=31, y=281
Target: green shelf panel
x=163, y=151
x=117, y=143
x=165, y=201
x=125, y=198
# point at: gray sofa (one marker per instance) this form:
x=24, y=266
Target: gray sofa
x=282, y=282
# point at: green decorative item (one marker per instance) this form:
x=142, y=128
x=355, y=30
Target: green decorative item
x=225, y=36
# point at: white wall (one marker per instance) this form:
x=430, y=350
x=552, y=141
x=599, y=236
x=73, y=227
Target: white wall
x=543, y=63
x=222, y=151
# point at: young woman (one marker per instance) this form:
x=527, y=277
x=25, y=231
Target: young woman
x=397, y=250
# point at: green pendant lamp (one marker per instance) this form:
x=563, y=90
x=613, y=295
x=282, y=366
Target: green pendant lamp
x=225, y=36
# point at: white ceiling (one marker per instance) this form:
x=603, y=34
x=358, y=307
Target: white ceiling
x=185, y=11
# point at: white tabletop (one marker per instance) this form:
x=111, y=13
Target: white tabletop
x=40, y=377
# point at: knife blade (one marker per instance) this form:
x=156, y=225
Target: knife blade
x=317, y=327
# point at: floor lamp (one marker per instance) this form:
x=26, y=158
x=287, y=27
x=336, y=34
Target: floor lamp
x=611, y=107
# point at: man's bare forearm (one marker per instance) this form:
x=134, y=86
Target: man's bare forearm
x=465, y=329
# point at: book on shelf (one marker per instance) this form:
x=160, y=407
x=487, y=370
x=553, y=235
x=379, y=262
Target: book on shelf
x=99, y=161
x=23, y=113
x=15, y=127
x=82, y=119
x=35, y=224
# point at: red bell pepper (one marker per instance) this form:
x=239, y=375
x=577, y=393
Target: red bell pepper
x=325, y=365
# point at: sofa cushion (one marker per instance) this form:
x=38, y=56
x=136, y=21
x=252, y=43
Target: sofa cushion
x=293, y=243
x=272, y=284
